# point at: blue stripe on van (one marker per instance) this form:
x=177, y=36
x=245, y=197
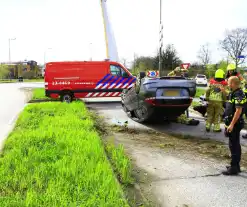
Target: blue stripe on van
x=122, y=79
x=134, y=80
x=126, y=81
x=106, y=76
x=114, y=81
x=107, y=81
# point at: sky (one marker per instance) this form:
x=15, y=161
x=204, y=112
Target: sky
x=59, y=30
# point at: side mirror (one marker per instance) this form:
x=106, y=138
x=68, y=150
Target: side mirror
x=125, y=75
x=142, y=75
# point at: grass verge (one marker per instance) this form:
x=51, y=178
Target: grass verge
x=54, y=157
x=25, y=80
x=33, y=80
x=38, y=95
x=125, y=170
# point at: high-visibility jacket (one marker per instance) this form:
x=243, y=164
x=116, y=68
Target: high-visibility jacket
x=214, y=93
x=177, y=73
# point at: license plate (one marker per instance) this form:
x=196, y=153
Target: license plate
x=171, y=93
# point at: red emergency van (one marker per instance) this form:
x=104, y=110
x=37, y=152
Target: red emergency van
x=88, y=79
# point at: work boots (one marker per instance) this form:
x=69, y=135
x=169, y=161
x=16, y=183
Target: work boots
x=217, y=128
x=208, y=126
x=239, y=169
x=232, y=170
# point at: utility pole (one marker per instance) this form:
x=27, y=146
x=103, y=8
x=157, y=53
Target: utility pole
x=91, y=52
x=9, y=52
x=134, y=64
x=161, y=38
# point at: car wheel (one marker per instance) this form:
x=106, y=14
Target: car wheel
x=125, y=108
x=142, y=114
x=67, y=97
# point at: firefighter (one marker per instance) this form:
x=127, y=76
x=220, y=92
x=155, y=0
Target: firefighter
x=184, y=119
x=234, y=123
x=232, y=71
x=215, y=98
x=177, y=72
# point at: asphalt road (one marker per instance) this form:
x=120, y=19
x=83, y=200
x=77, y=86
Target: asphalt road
x=12, y=102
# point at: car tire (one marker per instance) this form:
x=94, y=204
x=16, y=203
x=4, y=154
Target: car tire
x=66, y=97
x=125, y=108
x=142, y=114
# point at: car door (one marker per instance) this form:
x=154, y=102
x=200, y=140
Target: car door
x=119, y=81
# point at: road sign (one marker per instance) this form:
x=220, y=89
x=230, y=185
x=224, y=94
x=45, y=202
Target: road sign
x=185, y=65
x=153, y=74
x=241, y=56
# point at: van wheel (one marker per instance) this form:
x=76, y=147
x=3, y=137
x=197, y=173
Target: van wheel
x=66, y=97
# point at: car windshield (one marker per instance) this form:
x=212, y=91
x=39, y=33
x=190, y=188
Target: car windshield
x=201, y=76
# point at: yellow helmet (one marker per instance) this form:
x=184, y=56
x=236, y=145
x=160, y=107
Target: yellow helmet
x=219, y=73
x=231, y=67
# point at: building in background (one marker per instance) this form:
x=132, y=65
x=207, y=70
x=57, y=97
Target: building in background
x=25, y=69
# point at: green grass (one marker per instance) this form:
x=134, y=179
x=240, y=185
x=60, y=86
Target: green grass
x=39, y=94
x=25, y=80
x=120, y=162
x=199, y=92
x=55, y=157
x=34, y=80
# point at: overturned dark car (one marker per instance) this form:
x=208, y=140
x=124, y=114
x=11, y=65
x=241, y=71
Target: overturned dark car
x=156, y=99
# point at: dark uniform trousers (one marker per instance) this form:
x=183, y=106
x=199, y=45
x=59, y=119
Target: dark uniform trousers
x=234, y=144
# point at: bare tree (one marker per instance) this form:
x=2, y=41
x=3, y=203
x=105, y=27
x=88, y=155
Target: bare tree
x=235, y=44
x=123, y=61
x=204, y=55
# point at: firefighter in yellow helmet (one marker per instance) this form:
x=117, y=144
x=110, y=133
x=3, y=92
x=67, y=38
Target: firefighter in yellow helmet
x=232, y=71
x=215, y=98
